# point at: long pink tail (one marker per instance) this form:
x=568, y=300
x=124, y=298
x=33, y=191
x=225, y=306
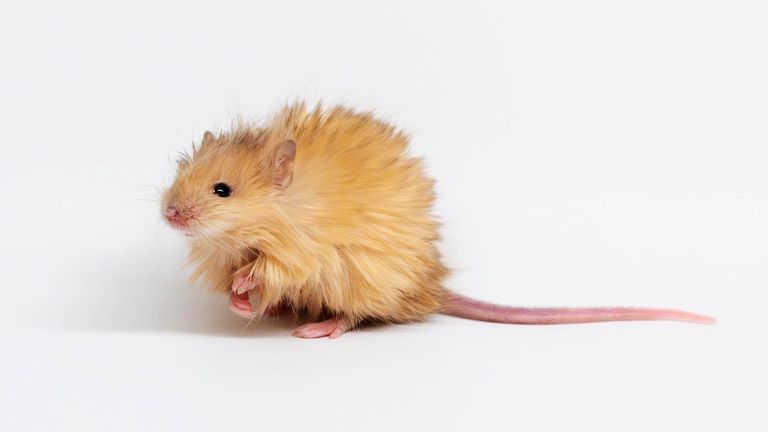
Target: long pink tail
x=463, y=307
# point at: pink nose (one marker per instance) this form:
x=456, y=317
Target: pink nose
x=176, y=217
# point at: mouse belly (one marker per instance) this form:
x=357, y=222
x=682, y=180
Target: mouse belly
x=367, y=286
x=396, y=307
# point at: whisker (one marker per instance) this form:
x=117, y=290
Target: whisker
x=248, y=324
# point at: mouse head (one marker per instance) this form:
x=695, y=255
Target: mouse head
x=227, y=183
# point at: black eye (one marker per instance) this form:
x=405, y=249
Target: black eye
x=222, y=189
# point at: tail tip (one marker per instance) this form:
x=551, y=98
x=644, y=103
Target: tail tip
x=702, y=319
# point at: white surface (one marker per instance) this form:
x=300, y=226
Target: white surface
x=587, y=153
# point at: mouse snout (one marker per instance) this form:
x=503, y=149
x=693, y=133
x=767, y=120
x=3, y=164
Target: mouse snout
x=179, y=217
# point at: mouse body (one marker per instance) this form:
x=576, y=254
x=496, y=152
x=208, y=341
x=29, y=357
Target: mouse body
x=323, y=213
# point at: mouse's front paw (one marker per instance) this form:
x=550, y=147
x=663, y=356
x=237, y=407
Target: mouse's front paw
x=244, y=283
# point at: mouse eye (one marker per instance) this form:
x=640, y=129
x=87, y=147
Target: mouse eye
x=222, y=189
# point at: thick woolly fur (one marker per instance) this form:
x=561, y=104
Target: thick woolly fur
x=344, y=230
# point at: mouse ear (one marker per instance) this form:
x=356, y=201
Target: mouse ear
x=282, y=169
x=208, y=138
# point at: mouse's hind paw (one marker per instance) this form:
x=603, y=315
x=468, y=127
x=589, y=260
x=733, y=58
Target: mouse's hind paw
x=332, y=329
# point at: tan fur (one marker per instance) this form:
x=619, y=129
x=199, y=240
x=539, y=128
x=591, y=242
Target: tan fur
x=344, y=229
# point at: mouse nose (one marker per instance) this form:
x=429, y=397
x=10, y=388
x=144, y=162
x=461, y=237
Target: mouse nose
x=176, y=217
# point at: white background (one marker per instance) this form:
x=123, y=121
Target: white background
x=587, y=153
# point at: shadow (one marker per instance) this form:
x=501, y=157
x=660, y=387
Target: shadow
x=148, y=291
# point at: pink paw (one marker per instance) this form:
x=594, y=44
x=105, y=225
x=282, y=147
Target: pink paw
x=331, y=328
x=240, y=305
x=243, y=283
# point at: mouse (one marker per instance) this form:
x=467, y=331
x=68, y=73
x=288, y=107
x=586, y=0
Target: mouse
x=323, y=214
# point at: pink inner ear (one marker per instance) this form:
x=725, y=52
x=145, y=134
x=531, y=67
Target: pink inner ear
x=284, y=156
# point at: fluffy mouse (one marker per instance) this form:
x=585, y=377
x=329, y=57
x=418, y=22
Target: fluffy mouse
x=322, y=213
